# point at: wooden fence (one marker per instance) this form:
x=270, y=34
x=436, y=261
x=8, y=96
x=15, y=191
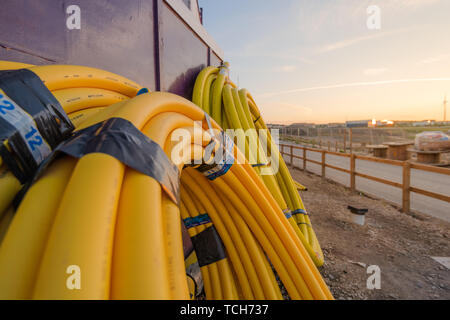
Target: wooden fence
x=405, y=186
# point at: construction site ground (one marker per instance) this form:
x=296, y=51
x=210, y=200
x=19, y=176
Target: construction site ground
x=401, y=245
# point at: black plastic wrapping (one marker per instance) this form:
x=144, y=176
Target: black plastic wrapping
x=120, y=139
x=46, y=124
x=209, y=247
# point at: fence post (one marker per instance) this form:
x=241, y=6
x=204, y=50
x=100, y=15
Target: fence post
x=336, y=147
x=351, y=140
x=323, y=163
x=304, y=159
x=329, y=145
x=345, y=141
x=406, y=187
x=292, y=156
x=353, y=172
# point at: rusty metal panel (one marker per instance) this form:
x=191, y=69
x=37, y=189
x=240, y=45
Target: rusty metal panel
x=113, y=36
x=144, y=40
x=183, y=54
x=117, y=37
x=34, y=27
x=9, y=54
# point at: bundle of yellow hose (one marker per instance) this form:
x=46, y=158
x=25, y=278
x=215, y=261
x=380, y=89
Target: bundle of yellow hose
x=81, y=91
x=236, y=109
x=124, y=233
x=286, y=181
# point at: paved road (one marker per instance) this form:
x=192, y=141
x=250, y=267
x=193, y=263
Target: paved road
x=428, y=181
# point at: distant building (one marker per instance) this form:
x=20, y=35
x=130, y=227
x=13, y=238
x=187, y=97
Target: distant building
x=358, y=124
x=385, y=123
x=403, y=123
x=303, y=125
x=275, y=126
x=424, y=123
x=336, y=125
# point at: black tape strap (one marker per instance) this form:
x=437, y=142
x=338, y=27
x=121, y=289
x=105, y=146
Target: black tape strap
x=257, y=119
x=208, y=247
x=32, y=122
x=120, y=139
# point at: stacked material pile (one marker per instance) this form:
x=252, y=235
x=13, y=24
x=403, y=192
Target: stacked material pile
x=93, y=203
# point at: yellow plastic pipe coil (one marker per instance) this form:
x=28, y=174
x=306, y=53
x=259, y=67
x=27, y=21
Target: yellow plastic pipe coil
x=81, y=91
x=236, y=109
x=119, y=230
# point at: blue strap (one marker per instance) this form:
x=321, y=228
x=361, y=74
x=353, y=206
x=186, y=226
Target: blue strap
x=259, y=165
x=287, y=213
x=142, y=91
x=197, y=221
x=299, y=211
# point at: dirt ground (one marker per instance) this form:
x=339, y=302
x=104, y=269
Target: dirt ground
x=401, y=245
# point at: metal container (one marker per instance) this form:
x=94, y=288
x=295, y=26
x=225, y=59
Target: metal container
x=160, y=44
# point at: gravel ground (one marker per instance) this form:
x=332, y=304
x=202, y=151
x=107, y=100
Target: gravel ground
x=400, y=244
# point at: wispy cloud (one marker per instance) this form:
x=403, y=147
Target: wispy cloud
x=434, y=59
x=251, y=53
x=351, y=84
x=348, y=42
x=375, y=71
x=352, y=41
x=275, y=107
x=285, y=69
x=413, y=3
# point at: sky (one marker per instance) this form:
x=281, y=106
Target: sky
x=318, y=61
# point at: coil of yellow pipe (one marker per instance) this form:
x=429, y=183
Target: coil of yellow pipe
x=124, y=232
x=242, y=114
x=79, y=90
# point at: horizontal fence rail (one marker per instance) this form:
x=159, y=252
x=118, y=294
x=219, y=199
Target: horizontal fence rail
x=404, y=186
